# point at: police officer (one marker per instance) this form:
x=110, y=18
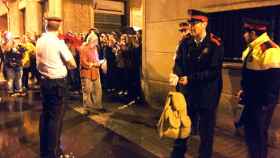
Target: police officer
x=260, y=85
x=185, y=34
x=185, y=30
x=53, y=58
x=199, y=66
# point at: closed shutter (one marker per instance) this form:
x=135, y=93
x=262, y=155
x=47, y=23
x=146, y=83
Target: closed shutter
x=107, y=22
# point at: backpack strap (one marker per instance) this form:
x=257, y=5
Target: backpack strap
x=162, y=116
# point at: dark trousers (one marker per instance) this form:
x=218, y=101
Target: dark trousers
x=74, y=79
x=179, y=148
x=52, y=92
x=111, y=76
x=134, y=84
x=256, y=125
x=121, y=74
x=207, y=121
x=34, y=72
x=25, y=77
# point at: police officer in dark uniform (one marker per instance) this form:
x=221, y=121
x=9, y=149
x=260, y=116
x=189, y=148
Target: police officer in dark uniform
x=198, y=64
x=260, y=85
x=185, y=34
x=185, y=30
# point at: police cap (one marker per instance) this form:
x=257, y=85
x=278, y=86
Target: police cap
x=255, y=25
x=196, y=16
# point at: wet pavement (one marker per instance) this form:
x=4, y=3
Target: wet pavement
x=122, y=132
x=19, y=137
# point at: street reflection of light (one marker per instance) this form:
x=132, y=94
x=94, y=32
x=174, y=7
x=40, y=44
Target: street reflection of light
x=30, y=124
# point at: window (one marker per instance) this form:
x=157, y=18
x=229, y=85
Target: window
x=228, y=26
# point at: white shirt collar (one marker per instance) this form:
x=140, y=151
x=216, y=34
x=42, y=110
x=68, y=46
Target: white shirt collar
x=201, y=40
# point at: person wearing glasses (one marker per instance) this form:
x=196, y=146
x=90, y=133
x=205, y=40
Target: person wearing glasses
x=198, y=65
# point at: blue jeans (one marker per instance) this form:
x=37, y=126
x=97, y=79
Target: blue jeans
x=14, y=77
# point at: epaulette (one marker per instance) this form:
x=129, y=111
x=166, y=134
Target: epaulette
x=215, y=39
x=266, y=45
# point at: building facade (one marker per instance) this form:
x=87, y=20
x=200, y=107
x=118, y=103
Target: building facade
x=27, y=16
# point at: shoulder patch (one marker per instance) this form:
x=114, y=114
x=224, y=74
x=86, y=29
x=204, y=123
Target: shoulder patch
x=269, y=44
x=215, y=39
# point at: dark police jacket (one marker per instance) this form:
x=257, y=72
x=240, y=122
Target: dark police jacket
x=261, y=72
x=202, y=64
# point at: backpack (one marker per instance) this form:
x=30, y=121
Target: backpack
x=174, y=121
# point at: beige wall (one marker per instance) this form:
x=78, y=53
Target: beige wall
x=55, y=7
x=3, y=9
x=136, y=13
x=20, y=23
x=78, y=15
x=3, y=23
x=161, y=20
x=33, y=24
x=14, y=18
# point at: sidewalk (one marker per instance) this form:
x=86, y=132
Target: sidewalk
x=134, y=122
x=137, y=124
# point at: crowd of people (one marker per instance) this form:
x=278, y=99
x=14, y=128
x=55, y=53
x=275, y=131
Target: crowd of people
x=120, y=52
x=17, y=62
x=86, y=64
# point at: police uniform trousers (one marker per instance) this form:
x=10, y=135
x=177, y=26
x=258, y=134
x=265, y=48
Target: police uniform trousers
x=256, y=124
x=207, y=119
x=202, y=116
x=53, y=94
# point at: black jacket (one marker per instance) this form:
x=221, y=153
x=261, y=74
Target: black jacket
x=13, y=58
x=202, y=64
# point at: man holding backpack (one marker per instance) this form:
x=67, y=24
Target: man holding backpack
x=198, y=65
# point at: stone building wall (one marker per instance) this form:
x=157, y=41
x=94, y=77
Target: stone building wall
x=23, y=16
x=78, y=15
x=136, y=13
x=3, y=22
x=27, y=15
x=33, y=17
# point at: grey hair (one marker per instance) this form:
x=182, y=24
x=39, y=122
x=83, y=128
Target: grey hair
x=91, y=37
